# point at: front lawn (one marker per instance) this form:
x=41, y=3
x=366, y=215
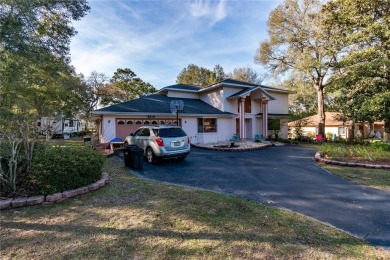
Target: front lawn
x=376, y=178
x=132, y=218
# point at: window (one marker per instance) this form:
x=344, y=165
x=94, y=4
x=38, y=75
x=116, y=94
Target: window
x=146, y=122
x=170, y=132
x=138, y=132
x=121, y=122
x=207, y=125
x=70, y=123
x=130, y=122
x=274, y=124
x=145, y=132
x=247, y=105
x=162, y=122
x=154, y=123
x=139, y=122
x=341, y=131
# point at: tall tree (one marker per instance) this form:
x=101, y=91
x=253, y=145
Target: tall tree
x=299, y=43
x=28, y=26
x=195, y=75
x=90, y=93
x=246, y=74
x=362, y=81
x=125, y=85
x=34, y=47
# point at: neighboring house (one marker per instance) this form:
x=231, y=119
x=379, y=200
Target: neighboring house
x=213, y=113
x=309, y=126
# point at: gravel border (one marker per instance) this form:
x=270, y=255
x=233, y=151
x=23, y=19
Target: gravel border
x=52, y=198
x=318, y=158
x=238, y=149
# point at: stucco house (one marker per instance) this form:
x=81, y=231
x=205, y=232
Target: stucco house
x=213, y=113
x=309, y=126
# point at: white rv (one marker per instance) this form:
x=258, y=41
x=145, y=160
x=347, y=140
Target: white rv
x=59, y=127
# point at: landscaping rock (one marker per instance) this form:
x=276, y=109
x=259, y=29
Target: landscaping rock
x=54, y=197
x=19, y=202
x=35, y=200
x=5, y=204
x=82, y=190
x=326, y=161
x=101, y=183
x=93, y=186
x=105, y=175
x=69, y=194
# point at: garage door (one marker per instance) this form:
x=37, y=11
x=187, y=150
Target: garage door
x=126, y=126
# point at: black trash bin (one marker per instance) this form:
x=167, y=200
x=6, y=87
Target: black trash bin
x=137, y=158
x=127, y=153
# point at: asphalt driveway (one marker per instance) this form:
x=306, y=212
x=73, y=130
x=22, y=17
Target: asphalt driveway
x=285, y=177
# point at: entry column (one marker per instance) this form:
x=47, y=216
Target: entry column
x=242, y=117
x=264, y=104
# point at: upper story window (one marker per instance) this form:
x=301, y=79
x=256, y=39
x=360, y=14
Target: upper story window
x=248, y=105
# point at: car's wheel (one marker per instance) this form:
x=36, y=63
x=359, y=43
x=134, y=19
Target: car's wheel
x=150, y=157
x=181, y=158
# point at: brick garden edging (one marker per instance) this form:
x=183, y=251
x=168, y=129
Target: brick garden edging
x=57, y=197
x=318, y=158
x=238, y=149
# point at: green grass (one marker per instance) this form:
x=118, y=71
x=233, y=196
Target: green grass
x=132, y=218
x=376, y=178
x=74, y=141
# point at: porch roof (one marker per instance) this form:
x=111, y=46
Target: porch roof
x=247, y=91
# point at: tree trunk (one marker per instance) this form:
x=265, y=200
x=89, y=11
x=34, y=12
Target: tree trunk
x=386, y=133
x=321, y=112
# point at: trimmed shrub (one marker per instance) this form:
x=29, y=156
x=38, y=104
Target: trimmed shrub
x=56, y=169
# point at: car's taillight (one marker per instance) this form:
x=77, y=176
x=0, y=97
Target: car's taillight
x=159, y=141
x=189, y=139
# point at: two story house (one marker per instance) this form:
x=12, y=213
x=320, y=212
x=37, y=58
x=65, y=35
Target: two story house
x=210, y=114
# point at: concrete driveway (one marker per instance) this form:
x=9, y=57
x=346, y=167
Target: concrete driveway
x=284, y=177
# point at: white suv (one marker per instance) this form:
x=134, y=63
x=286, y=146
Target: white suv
x=161, y=142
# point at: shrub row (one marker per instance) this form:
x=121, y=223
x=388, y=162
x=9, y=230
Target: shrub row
x=56, y=169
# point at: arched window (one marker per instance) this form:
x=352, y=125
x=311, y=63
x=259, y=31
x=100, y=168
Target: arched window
x=130, y=122
x=121, y=122
x=162, y=122
x=138, y=122
x=154, y=123
x=146, y=122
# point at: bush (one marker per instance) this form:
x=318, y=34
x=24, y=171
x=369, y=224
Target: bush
x=56, y=169
x=382, y=146
x=355, y=152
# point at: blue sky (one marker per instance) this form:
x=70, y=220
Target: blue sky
x=157, y=39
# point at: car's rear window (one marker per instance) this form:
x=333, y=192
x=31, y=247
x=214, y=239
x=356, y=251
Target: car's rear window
x=169, y=132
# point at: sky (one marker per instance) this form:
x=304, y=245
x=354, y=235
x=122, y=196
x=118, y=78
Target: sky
x=156, y=39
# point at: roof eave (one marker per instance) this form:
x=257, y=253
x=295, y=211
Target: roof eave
x=159, y=114
x=178, y=90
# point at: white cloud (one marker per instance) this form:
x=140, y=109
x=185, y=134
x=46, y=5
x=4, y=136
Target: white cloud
x=157, y=39
x=206, y=8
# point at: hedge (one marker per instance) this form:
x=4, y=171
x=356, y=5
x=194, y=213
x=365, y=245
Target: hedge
x=56, y=169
